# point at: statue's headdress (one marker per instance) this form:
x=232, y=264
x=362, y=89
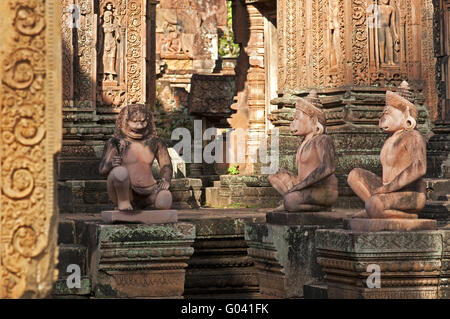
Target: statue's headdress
x=401, y=100
x=311, y=106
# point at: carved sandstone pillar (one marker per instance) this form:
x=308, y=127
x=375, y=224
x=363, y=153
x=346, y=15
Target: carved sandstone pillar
x=255, y=85
x=30, y=135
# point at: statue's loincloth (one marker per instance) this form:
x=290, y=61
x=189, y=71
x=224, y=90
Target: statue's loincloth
x=290, y=180
x=145, y=190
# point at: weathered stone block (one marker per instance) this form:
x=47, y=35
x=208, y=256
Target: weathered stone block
x=444, y=285
x=220, y=266
x=409, y=263
x=283, y=250
x=66, y=232
x=68, y=255
x=60, y=288
x=133, y=261
x=315, y=291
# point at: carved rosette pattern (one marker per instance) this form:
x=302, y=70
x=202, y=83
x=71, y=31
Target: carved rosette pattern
x=359, y=43
x=30, y=93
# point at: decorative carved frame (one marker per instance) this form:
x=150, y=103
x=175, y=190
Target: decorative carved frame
x=30, y=133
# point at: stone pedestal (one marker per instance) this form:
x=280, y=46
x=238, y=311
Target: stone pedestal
x=140, y=216
x=139, y=261
x=409, y=263
x=444, y=284
x=284, y=253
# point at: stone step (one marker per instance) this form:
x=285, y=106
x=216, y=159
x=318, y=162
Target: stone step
x=213, y=198
x=66, y=232
x=438, y=189
x=438, y=210
x=315, y=291
x=71, y=254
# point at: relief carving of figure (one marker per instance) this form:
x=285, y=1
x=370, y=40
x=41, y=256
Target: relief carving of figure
x=400, y=193
x=172, y=42
x=335, y=48
x=388, y=38
x=111, y=37
x=315, y=186
x=127, y=161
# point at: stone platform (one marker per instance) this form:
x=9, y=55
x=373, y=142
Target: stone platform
x=218, y=262
x=147, y=217
x=284, y=253
x=209, y=247
x=411, y=264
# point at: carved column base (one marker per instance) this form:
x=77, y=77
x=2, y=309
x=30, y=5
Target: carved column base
x=284, y=251
x=409, y=263
x=140, y=261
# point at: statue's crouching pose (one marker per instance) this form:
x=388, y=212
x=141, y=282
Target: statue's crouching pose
x=127, y=161
x=315, y=187
x=401, y=191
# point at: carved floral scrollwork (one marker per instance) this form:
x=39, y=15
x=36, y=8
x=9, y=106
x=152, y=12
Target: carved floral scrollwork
x=134, y=53
x=21, y=68
x=359, y=42
x=27, y=132
x=29, y=20
x=26, y=203
x=27, y=241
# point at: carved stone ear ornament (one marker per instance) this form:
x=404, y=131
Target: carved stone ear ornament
x=410, y=123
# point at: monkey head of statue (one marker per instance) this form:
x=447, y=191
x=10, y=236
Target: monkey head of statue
x=135, y=121
x=308, y=118
x=398, y=114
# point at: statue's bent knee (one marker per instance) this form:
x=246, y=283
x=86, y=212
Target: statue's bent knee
x=119, y=174
x=163, y=200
